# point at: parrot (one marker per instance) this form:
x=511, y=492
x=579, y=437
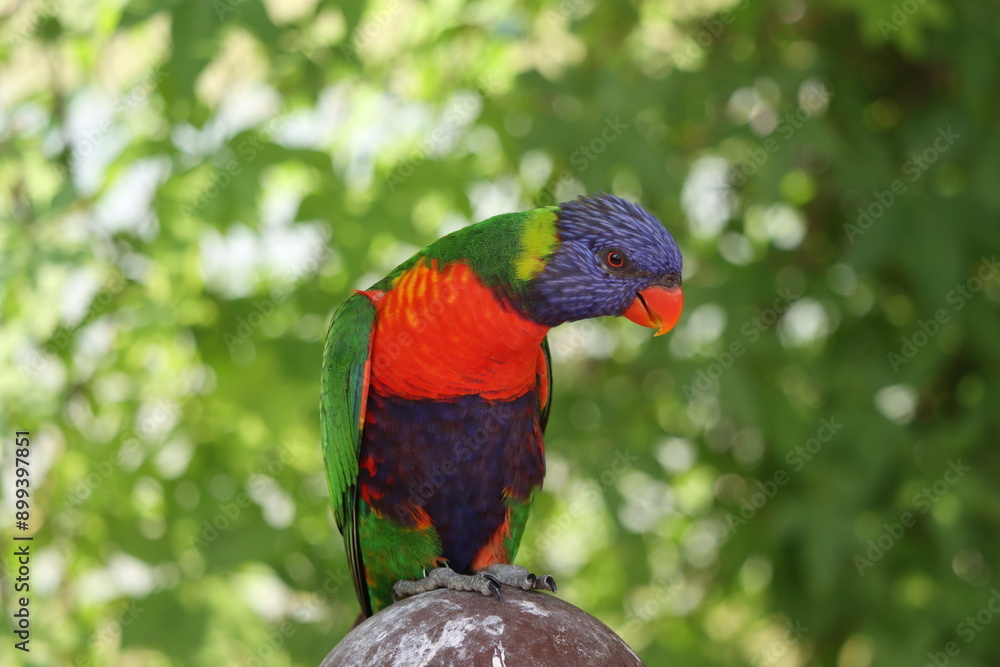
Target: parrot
x=436, y=388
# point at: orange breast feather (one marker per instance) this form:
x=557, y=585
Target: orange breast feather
x=443, y=334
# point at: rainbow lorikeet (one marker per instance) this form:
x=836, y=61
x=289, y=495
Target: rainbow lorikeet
x=436, y=387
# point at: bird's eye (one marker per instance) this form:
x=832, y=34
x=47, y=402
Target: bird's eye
x=615, y=259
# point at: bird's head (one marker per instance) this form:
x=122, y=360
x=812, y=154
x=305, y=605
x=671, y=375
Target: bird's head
x=612, y=258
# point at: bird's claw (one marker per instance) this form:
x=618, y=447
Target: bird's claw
x=519, y=577
x=487, y=582
x=493, y=586
x=444, y=577
x=544, y=582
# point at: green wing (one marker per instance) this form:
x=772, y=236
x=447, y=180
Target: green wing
x=343, y=394
x=519, y=509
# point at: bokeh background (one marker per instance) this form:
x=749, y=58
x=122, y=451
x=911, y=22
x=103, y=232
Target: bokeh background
x=803, y=473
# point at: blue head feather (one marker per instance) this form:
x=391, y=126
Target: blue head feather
x=578, y=282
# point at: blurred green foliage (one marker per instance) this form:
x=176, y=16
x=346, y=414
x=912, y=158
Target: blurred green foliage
x=803, y=473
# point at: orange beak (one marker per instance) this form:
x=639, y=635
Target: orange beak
x=657, y=307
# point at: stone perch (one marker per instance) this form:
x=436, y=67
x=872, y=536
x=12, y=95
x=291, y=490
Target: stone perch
x=447, y=628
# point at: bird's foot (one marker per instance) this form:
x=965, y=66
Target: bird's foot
x=445, y=577
x=519, y=577
x=486, y=582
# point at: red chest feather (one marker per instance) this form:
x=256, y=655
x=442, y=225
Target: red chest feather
x=443, y=334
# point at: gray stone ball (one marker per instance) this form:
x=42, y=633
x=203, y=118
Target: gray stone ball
x=447, y=628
